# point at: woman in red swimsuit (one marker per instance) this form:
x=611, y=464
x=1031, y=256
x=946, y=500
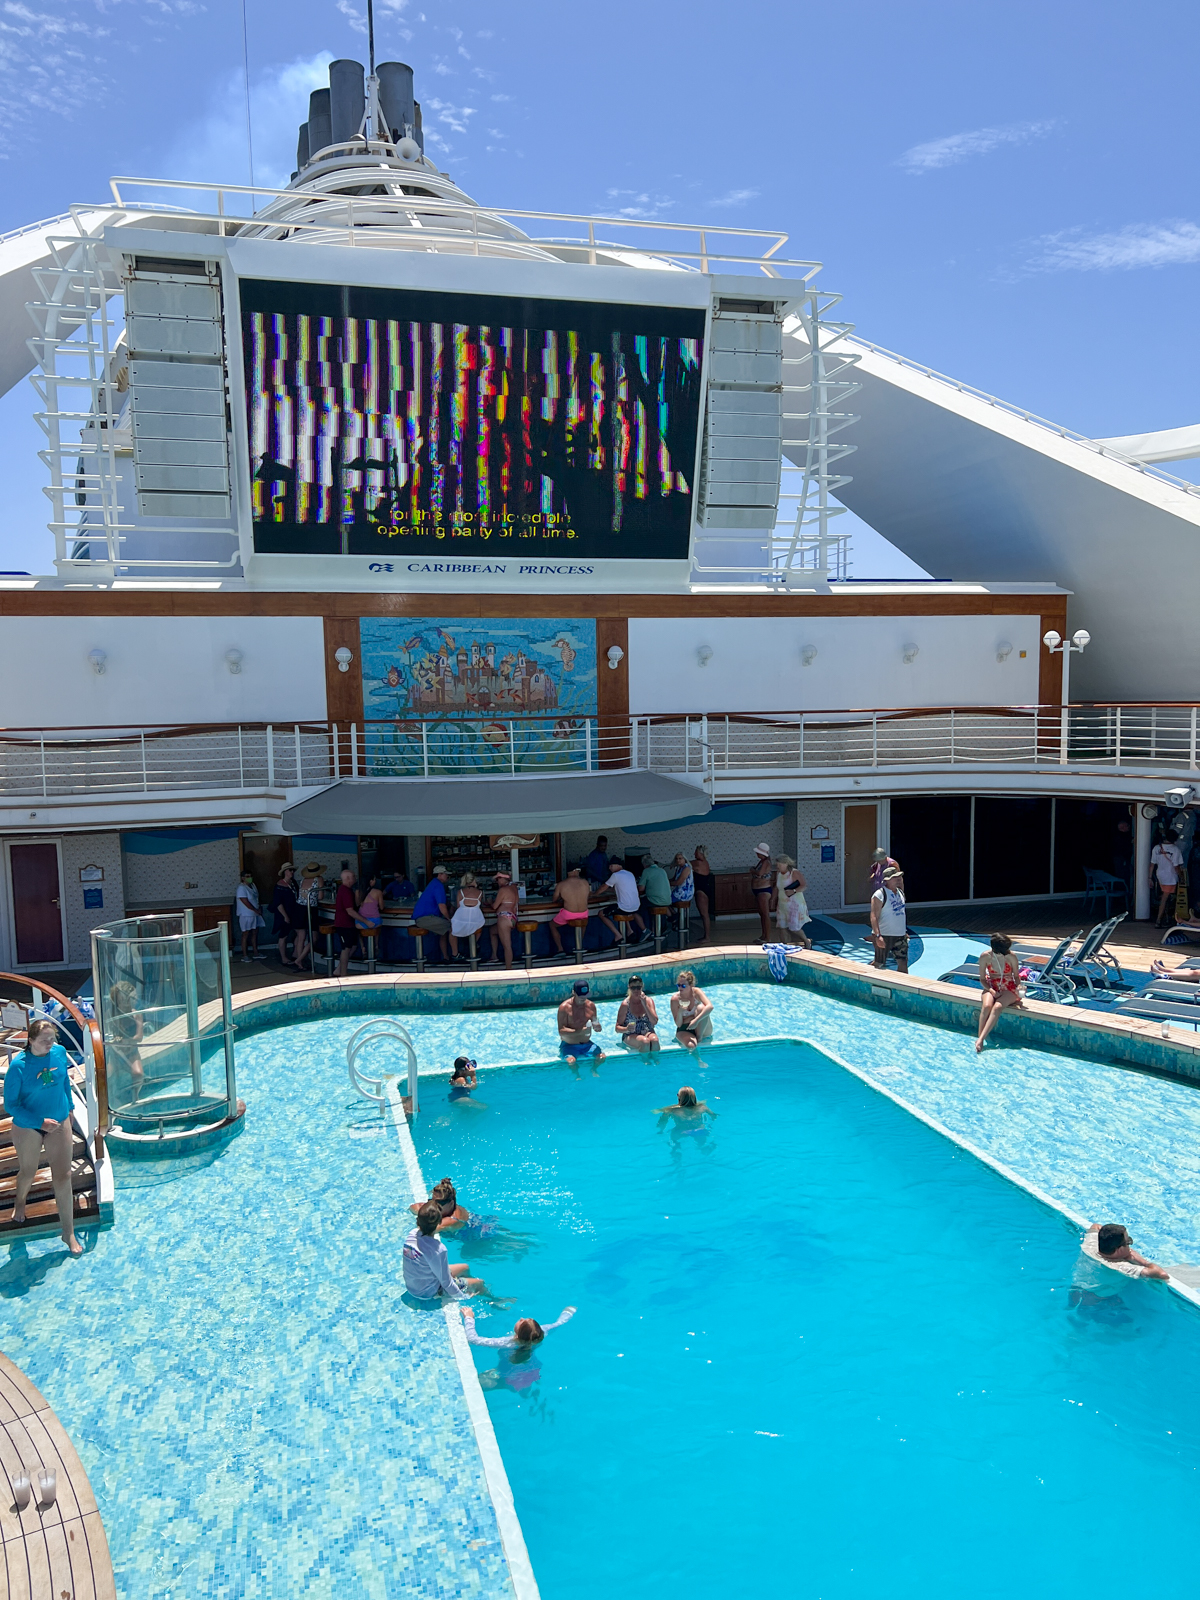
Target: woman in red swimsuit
x=1000, y=979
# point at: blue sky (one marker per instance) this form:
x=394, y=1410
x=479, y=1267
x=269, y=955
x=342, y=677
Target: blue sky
x=1005, y=192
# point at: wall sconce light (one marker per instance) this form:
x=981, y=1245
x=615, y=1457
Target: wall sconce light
x=615, y=656
x=343, y=657
x=808, y=655
x=98, y=660
x=1003, y=650
x=909, y=654
x=704, y=654
x=233, y=660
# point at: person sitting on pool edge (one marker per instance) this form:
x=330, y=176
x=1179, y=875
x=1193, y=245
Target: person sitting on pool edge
x=1110, y=1243
x=692, y=1011
x=428, y=1274
x=637, y=1019
x=577, y=1020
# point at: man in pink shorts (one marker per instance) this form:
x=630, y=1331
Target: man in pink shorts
x=573, y=891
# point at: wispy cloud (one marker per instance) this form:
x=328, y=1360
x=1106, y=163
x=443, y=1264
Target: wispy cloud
x=734, y=197
x=48, y=63
x=1141, y=244
x=956, y=147
x=637, y=203
x=214, y=149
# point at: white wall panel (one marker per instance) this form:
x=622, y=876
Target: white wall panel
x=756, y=663
x=161, y=669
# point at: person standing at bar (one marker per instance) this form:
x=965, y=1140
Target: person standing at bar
x=506, y=903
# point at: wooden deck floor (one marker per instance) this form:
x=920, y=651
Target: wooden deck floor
x=55, y=1552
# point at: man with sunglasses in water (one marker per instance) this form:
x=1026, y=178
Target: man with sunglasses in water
x=577, y=1020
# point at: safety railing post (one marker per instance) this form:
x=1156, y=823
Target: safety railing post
x=802, y=741
x=337, y=754
x=299, y=757
x=142, y=742
x=587, y=744
x=1118, y=735
x=1192, y=744
x=687, y=742
x=425, y=748
x=354, y=773
x=512, y=750
x=42, y=751
x=874, y=738
x=270, y=756
x=952, y=749
x=241, y=760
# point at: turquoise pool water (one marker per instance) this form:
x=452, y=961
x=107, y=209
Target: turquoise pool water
x=822, y=1350
x=262, y=1414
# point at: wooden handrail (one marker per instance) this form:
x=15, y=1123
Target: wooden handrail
x=92, y=1027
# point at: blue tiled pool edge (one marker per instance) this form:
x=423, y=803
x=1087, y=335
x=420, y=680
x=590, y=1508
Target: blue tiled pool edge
x=1126, y=1042
x=516, y=1554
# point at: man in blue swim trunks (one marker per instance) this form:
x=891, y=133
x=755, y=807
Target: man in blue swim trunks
x=577, y=1020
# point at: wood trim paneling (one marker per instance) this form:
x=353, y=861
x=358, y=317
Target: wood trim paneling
x=343, y=690
x=612, y=689
x=1054, y=615
x=349, y=607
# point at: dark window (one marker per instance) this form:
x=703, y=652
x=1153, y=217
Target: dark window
x=1089, y=834
x=931, y=839
x=1012, y=848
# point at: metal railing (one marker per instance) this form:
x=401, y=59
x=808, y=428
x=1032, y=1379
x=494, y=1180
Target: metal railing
x=1095, y=445
x=706, y=746
x=90, y=1051
x=1155, y=736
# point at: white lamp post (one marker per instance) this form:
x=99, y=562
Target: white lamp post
x=1057, y=645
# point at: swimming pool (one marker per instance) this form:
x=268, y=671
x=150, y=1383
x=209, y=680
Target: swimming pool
x=262, y=1414
x=821, y=1348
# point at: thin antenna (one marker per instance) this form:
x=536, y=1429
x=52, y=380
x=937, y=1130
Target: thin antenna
x=370, y=32
x=246, y=72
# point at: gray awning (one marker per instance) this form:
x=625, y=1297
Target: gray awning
x=496, y=805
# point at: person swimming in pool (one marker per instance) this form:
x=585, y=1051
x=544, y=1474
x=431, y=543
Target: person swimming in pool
x=577, y=1021
x=462, y=1081
x=687, y=1108
x=516, y=1370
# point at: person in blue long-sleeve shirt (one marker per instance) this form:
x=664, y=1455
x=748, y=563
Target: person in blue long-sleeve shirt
x=37, y=1096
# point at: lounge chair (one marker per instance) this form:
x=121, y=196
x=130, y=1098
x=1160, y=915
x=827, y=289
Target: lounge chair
x=1092, y=964
x=1182, y=931
x=1155, y=1010
x=1050, y=982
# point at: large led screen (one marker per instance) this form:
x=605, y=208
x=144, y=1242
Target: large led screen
x=393, y=422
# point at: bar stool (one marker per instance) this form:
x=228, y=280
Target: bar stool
x=528, y=929
x=579, y=950
x=368, y=938
x=473, y=958
x=622, y=920
x=418, y=938
x=684, y=909
x=325, y=931
x=659, y=913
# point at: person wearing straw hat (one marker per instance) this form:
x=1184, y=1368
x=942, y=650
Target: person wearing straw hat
x=308, y=897
x=762, y=884
x=506, y=903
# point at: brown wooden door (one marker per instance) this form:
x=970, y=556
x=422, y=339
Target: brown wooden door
x=860, y=836
x=36, y=896
x=735, y=897
x=263, y=855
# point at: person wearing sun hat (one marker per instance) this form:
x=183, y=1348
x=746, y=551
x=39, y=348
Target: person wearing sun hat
x=762, y=883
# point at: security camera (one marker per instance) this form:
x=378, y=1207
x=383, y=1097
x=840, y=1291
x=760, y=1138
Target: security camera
x=1180, y=797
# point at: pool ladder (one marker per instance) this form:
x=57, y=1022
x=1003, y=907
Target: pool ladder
x=382, y=1030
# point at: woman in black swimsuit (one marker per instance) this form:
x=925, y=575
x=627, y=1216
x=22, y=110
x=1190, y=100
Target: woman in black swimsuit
x=706, y=889
x=637, y=1019
x=762, y=881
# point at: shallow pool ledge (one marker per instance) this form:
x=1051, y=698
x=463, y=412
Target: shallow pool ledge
x=1124, y=1041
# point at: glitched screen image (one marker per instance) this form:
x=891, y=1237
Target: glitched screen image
x=393, y=422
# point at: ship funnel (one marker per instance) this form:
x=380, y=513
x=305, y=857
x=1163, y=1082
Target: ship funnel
x=417, y=133
x=396, y=96
x=302, y=147
x=320, y=125
x=347, y=100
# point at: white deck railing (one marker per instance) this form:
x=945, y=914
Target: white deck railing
x=304, y=755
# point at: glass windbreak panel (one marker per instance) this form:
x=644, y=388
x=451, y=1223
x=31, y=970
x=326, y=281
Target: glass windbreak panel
x=931, y=839
x=162, y=1008
x=1012, y=847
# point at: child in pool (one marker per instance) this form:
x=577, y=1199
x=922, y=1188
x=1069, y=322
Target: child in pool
x=515, y=1370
